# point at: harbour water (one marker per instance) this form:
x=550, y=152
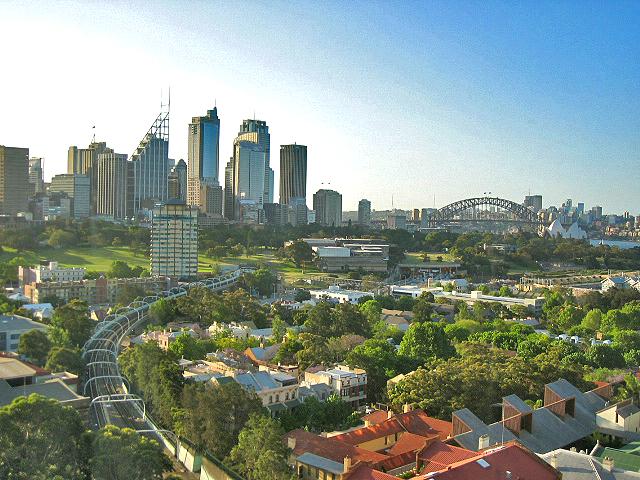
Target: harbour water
x=622, y=244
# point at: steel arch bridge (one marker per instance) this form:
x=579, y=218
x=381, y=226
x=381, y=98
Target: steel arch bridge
x=453, y=211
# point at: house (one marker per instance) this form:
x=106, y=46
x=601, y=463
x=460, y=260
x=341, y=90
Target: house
x=350, y=384
x=12, y=327
x=18, y=378
x=278, y=391
x=621, y=417
x=508, y=461
x=39, y=310
x=338, y=295
x=165, y=338
x=567, y=416
x=620, y=281
x=574, y=465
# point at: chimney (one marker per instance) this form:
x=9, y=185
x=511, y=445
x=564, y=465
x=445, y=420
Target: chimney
x=347, y=464
x=508, y=475
x=553, y=461
x=367, y=423
x=483, y=442
x=291, y=443
x=608, y=464
x=389, y=414
x=407, y=407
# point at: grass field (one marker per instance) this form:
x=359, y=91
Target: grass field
x=416, y=257
x=99, y=259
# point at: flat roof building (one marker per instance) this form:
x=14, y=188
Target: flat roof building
x=174, y=240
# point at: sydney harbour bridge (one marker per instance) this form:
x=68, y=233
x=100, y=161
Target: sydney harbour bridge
x=486, y=213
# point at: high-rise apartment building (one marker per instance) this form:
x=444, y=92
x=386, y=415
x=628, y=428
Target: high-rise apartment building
x=534, y=202
x=35, y=175
x=149, y=171
x=204, y=154
x=364, y=212
x=78, y=188
x=14, y=180
x=112, y=172
x=249, y=176
x=174, y=240
x=293, y=173
x=173, y=185
x=328, y=207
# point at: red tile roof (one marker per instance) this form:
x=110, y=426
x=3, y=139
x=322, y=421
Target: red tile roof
x=330, y=448
x=376, y=417
x=439, y=455
x=415, y=421
x=494, y=464
x=363, y=472
x=410, y=442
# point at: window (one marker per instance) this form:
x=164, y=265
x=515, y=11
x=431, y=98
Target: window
x=15, y=336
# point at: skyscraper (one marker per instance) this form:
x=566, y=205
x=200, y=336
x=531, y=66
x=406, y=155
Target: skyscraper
x=112, y=172
x=534, y=202
x=248, y=176
x=293, y=173
x=328, y=207
x=364, y=212
x=181, y=171
x=173, y=185
x=174, y=240
x=204, y=154
x=77, y=188
x=83, y=161
x=149, y=169
x=14, y=180
x=35, y=174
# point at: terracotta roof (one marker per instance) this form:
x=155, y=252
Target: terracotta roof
x=330, y=448
x=376, y=417
x=415, y=421
x=418, y=422
x=363, y=472
x=410, y=442
x=439, y=455
x=494, y=464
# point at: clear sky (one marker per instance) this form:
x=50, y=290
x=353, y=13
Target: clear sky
x=416, y=100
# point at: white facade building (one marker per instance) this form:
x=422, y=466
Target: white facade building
x=12, y=327
x=339, y=295
x=52, y=272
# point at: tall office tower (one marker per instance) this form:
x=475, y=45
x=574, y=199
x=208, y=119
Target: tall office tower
x=534, y=202
x=415, y=216
x=181, y=170
x=173, y=185
x=112, y=172
x=211, y=199
x=597, y=212
x=14, y=180
x=83, y=161
x=150, y=167
x=174, y=240
x=204, y=154
x=328, y=207
x=364, y=212
x=424, y=217
x=77, y=188
x=229, y=199
x=293, y=173
x=249, y=176
x=35, y=174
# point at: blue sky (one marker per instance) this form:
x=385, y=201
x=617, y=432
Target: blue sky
x=423, y=101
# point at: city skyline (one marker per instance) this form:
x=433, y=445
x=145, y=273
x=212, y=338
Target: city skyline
x=546, y=104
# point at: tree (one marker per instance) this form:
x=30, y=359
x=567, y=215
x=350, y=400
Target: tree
x=162, y=311
x=35, y=345
x=123, y=454
x=604, y=356
x=61, y=239
x=299, y=252
x=378, y=358
x=301, y=295
x=260, y=453
x=215, y=414
x=127, y=293
x=120, y=269
x=64, y=359
x=317, y=416
x=279, y=328
x=263, y=280
x=40, y=439
x=592, y=320
x=631, y=388
x=422, y=310
x=371, y=309
x=185, y=346
x=71, y=325
x=425, y=341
